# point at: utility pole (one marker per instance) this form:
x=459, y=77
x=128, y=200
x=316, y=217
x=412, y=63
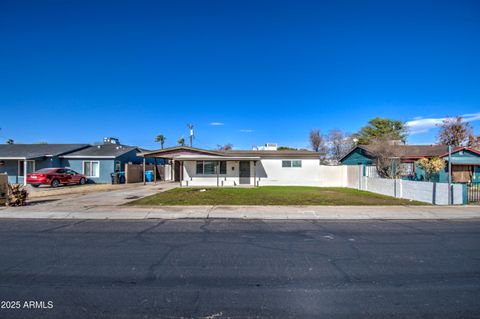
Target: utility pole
x=190, y=126
x=450, y=175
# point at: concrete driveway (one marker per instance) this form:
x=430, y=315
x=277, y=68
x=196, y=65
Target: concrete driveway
x=68, y=200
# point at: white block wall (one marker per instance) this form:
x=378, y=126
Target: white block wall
x=433, y=193
x=271, y=172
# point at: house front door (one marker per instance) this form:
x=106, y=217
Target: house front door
x=177, y=171
x=244, y=172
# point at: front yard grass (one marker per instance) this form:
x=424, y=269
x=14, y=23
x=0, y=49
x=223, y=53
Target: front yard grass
x=270, y=195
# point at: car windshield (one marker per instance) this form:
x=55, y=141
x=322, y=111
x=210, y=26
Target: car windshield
x=44, y=170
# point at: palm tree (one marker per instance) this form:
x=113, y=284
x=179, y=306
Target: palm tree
x=160, y=138
x=181, y=141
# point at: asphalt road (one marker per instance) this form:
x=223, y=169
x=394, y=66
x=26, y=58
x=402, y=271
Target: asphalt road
x=240, y=269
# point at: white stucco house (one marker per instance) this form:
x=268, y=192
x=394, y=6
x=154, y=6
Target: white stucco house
x=259, y=167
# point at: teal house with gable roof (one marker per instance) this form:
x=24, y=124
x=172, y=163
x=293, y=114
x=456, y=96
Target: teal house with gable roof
x=465, y=161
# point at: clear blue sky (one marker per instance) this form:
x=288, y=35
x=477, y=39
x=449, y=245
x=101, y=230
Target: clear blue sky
x=269, y=71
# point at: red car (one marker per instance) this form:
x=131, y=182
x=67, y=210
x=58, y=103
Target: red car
x=55, y=177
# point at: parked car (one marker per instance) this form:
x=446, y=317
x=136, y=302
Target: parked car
x=55, y=177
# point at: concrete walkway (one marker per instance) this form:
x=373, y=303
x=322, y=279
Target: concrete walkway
x=108, y=205
x=249, y=212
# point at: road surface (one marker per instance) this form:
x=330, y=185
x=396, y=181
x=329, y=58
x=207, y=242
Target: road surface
x=240, y=269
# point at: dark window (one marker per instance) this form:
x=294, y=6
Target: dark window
x=44, y=170
x=61, y=171
x=297, y=163
x=223, y=167
x=199, y=167
x=286, y=163
x=209, y=167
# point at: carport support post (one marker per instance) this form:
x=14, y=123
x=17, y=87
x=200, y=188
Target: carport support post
x=450, y=175
x=254, y=173
x=218, y=170
x=155, y=170
x=25, y=172
x=144, y=181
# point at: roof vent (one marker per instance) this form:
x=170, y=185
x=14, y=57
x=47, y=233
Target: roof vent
x=111, y=140
x=266, y=147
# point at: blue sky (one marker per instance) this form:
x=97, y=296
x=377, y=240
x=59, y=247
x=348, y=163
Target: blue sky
x=263, y=71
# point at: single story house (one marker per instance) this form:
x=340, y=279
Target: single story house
x=465, y=161
x=17, y=160
x=97, y=162
x=199, y=167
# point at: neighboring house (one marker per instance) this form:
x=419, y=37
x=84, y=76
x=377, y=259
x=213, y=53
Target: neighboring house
x=17, y=160
x=465, y=161
x=199, y=167
x=98, y=162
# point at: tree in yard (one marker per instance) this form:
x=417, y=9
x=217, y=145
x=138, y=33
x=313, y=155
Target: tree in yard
x=378, y=128
x=454, y=131
x=339, y=144
x=431, y=166
x=387, y=156
x=317, y=142
x=226, y=147
x=161, y=139
x=474, y=142
x=181, y=141
x=10, y=141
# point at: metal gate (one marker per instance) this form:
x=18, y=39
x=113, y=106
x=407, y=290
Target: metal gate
x=473, y=190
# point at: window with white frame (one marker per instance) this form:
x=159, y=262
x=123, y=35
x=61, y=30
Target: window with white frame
x=30, y=167
x=208, y=167
x=407, y=169
x=294, y=163
x=91, y=168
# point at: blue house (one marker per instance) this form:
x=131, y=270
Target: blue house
x=465, y=161
x=97, y=162
x=17, y=160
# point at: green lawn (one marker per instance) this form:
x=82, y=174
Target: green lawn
x=270, y=195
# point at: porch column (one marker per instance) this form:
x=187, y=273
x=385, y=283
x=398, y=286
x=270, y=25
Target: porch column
x=144, y=181
x=18, y=171
x=155, y=170
x=180, y=172
x=218, y=171
x=25, y=172
x=254, y=173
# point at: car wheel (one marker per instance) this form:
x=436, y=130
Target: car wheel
x=82, y=181
x=55, y=183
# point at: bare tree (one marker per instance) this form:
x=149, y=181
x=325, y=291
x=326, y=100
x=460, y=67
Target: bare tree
x=387, y=156
x=474, y=142
x=339, y=144
x=318, y=144
x=226, y=147
x=454, y=131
